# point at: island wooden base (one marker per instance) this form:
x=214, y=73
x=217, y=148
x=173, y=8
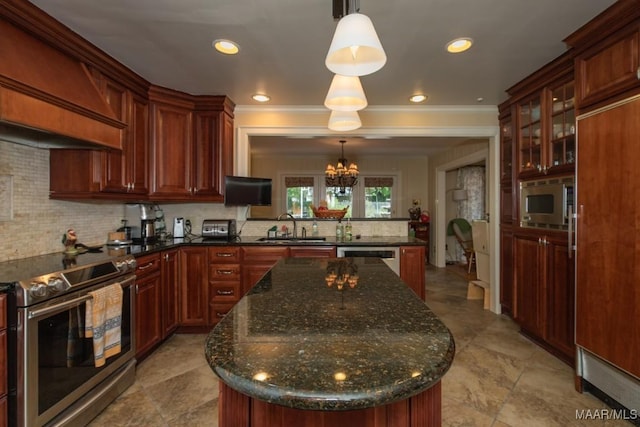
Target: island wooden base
x=237, y=410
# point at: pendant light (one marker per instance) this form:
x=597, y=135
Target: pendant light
x=344, y=120
x=355, y=49
x=345, y=94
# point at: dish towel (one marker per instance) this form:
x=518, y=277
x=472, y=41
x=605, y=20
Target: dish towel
x=103, y=319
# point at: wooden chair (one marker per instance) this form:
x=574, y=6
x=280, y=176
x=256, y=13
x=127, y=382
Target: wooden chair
x=461, y=229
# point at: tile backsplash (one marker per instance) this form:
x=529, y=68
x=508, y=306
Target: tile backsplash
x=36, y=223
x=31, y=224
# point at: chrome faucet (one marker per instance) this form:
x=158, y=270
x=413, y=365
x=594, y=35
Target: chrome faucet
x=295, y=226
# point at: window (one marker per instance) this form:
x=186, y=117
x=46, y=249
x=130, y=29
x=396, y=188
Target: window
x=299, y=195
x=378, y=197
x=337, y=200
x=372, y=197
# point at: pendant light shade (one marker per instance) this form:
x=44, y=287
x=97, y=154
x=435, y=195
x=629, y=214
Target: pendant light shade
x=344, y=120
x=355, y=49
x=345, y=94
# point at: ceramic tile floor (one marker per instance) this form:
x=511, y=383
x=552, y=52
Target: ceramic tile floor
x=498, y=378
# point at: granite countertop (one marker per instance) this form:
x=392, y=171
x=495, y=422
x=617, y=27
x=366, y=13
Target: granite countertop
x=294, y=341
x=139, y=250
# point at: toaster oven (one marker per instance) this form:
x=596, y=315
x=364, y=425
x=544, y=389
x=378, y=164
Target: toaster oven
x=219, y=229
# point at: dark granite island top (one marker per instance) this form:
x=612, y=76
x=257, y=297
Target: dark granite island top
x=296, y=342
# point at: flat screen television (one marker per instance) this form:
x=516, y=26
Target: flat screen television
x=243, y=190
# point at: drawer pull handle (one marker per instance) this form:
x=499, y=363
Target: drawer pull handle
x=221, y=292
x=226, y=272
x=220, y=315
x=144, y=267
x=224, y=254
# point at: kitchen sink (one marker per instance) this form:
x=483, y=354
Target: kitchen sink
x=292, y=239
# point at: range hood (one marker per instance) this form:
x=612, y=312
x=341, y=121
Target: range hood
x=48, y=99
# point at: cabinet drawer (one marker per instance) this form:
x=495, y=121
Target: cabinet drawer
x=217, y=311
x=224, y=291
x=224, y=254
x=148, y=264
x=264, y=255
x=224, y=272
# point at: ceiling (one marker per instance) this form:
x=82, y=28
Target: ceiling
x=283, y=44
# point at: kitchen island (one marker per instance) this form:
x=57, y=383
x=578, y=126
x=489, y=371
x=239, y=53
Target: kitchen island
x=330, y=342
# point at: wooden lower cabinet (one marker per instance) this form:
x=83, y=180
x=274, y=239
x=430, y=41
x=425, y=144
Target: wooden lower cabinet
x=224, y=281
x=194, y=295
x=170, y=264
x=148, y=326
x=544, y=291
x=423, y=409
x=257, y=260
x=506, y=269
x=412, y=260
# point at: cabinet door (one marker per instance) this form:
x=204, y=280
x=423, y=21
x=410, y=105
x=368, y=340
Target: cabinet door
x=193, y=286
x=609, y=68
x=412, y=268
x=506, y=150
x=208, y=172
x=170, y=291
x=530, y=134
x=506, y=269
x=560, y=299
x=172, y=151
x=114, y=173
x=529, y=273
x=148, y=314
x=137, y=150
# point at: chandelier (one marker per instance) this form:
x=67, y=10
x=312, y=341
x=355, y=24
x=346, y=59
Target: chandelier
x=341, y=176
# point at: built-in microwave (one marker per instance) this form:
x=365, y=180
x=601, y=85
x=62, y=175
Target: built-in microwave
x=546, y=203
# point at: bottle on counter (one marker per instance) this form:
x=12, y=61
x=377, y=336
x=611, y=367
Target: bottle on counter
x=314, y=228
x=339, y=230
x=348, y=230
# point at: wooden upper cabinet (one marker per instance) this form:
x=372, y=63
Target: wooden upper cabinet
x=192, y=139
x=209, y=168
x=172, y=152
x=122, y=174
x=506, y=148
x=607, y=55
x=126, y=171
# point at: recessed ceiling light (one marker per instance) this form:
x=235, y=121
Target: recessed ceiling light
x=418, y=98
x=261, y=97
x=459, y=45
x=226, y=46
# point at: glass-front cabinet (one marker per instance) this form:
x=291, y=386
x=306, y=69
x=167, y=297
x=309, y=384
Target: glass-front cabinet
x=506, y=150
x=546, y=131
x=530, y=135
x=562, y=143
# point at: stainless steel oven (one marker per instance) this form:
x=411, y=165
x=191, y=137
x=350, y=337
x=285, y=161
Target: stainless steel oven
x=56, y=380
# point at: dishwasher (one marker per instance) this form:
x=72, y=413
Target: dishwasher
x=389, y=254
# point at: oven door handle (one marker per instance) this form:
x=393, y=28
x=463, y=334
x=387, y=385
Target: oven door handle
x=70, y=303
x=58, y=307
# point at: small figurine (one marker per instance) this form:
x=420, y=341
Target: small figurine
x=69, y=241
